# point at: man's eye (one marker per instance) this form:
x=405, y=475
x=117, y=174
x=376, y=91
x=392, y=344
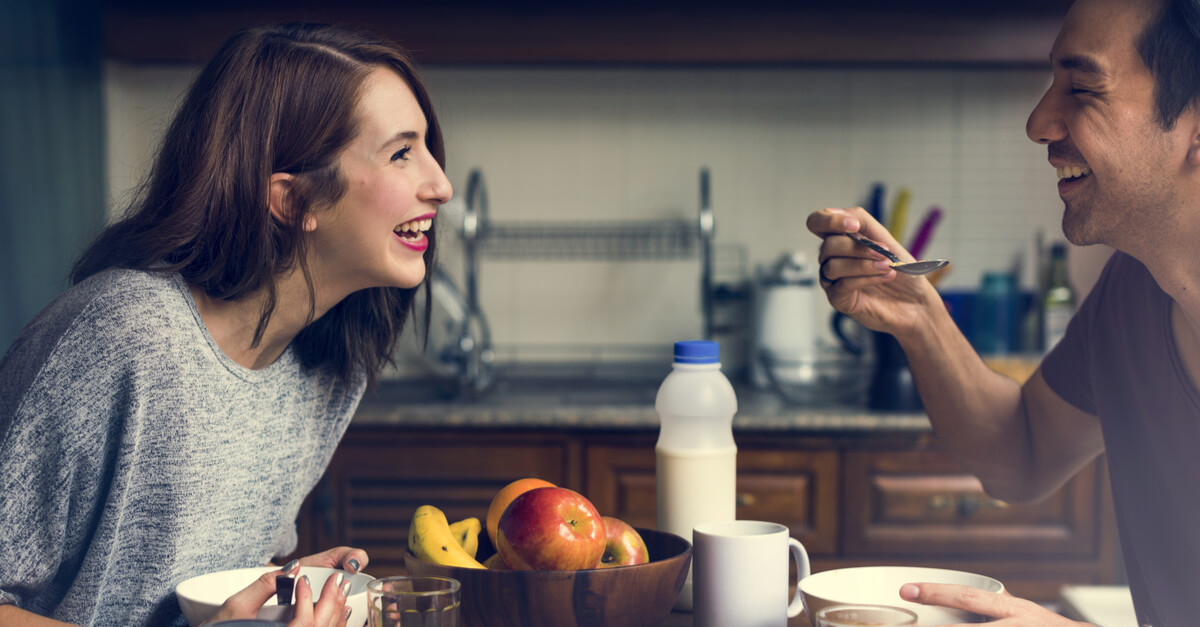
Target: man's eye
x=401, y=154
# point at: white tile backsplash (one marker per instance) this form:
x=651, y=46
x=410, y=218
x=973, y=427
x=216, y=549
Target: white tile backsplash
x=585, y=144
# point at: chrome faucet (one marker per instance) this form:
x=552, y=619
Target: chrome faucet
x=707, y=228
x=472, y=344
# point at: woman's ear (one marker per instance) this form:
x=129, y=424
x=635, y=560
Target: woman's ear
x=280, y=201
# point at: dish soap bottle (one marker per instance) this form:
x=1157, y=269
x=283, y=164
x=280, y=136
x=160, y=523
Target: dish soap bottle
x=696, y=458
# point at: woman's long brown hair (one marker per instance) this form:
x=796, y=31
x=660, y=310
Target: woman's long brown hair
x=279, y=98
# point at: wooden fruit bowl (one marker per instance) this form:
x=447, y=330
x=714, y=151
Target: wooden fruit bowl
x=629, y=596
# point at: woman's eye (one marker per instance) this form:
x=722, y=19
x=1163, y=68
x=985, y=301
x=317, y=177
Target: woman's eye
x=401, y=154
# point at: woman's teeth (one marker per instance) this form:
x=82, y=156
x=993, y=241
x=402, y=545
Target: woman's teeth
x=1073, y=172
x=413, y=228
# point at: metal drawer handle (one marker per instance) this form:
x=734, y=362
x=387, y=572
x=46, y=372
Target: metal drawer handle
x=966, y=505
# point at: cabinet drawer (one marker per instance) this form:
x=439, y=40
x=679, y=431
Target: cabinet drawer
x=794, y=488
x=924, y=504
x=377, y=480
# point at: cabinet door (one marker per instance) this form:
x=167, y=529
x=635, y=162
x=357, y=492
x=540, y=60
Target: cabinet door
x=793, y=487
x=922, y=503
x=378, y=478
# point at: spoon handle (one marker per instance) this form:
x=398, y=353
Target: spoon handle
x=873, y=246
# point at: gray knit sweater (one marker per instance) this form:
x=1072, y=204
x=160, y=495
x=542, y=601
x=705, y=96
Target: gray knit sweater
x=135, y=454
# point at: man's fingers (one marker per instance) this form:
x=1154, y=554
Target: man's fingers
x=960, y=597
x=833, y=220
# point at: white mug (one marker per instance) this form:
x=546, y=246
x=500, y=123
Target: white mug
x=740, y=574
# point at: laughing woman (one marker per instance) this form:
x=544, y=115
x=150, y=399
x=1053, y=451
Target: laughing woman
x=166, y=415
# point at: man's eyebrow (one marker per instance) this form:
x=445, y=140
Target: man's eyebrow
x=1079, y=63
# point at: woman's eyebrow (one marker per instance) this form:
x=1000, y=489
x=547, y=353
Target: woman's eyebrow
x=402, y=137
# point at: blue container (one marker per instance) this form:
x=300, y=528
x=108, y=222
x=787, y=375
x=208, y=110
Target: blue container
x=996, y=315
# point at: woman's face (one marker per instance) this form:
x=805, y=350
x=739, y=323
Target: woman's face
x=375, y=236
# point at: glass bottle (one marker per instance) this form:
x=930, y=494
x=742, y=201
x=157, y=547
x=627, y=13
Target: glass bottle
x=1058, y=303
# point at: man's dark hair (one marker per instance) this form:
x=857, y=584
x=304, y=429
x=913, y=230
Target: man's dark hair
x=1170, y=47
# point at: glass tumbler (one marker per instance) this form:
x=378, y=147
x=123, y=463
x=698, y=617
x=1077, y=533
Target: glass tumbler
x=861, y=615
x=413, y=602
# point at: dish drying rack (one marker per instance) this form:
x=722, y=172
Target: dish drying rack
x=640, y=240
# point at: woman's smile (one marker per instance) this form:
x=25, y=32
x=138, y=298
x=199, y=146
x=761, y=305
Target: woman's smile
x=412, y=233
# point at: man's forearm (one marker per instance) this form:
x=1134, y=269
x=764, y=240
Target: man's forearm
x=975, y=411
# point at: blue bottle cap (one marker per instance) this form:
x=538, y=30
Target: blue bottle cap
x=697, y=352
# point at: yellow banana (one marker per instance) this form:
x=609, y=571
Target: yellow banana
x=430, y=539
x=466, y=532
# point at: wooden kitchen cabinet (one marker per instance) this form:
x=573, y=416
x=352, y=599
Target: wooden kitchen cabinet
x=853, y=500
x=922, y=503
x=794, y=488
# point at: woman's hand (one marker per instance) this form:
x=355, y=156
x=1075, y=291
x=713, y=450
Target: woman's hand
x=859, y=282
x=1005, y=609
x=347, y=558
x=329, y=611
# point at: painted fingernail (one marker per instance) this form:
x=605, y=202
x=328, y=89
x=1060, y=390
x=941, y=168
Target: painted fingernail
x=338, y=579
x=308, y=583
x=346, y=614
x=291, y=566
x=353, y=564
x=346, y=589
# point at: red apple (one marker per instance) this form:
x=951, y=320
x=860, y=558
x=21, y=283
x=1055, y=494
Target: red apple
x=550, y=529
x=624, y=546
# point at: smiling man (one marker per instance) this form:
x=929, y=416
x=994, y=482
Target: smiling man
x=1121, y=123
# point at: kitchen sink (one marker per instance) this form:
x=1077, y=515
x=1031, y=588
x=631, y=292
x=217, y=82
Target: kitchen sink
x=523, y=388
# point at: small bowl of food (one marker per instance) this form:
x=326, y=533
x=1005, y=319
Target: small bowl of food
x=880, y=585
x=200, y=597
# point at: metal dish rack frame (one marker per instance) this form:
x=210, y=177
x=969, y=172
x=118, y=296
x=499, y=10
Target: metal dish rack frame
x=641, y=240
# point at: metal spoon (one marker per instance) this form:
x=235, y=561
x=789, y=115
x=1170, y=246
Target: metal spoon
x=915, y=268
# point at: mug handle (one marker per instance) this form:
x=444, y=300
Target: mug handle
x=835, y=323
x=802, y=571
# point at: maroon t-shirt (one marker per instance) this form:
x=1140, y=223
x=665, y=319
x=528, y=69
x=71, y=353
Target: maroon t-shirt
x=1118, y=361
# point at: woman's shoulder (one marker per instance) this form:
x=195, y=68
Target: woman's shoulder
x=113, y=308
x=122, y=294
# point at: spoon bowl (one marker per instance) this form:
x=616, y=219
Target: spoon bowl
x=914, y=268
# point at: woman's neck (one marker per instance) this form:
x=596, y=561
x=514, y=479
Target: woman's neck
x=232, y=323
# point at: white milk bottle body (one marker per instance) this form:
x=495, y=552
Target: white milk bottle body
x=696, y=457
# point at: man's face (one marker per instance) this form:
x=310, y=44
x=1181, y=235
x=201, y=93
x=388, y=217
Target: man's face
x=1118, y=169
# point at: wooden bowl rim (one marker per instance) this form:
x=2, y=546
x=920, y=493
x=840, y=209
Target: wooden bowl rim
x=684, y=554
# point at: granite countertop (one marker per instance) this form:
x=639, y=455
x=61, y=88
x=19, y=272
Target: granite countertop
x=409, y=404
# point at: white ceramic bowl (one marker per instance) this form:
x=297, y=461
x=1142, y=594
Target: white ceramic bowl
x=880, y=585
x=200, y=597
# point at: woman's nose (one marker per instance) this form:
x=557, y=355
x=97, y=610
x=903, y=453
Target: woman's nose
x=437, y=190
